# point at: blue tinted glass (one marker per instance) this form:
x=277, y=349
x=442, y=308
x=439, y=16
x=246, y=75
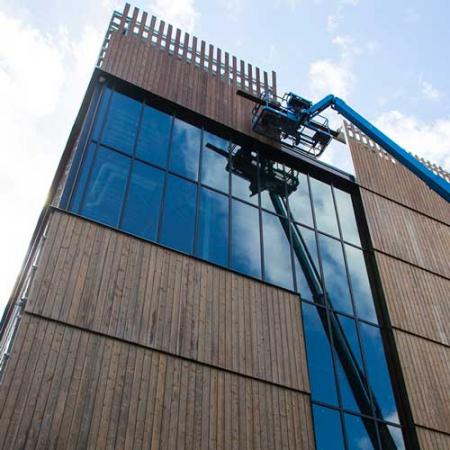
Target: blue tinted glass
x=309, y=239
x=350, y=366
x=213, y=227
x=347, y=217
x=324, y=207
x=335, y=275
x=379, y=378
x=300, y=203
x=245, y=245
x=361, y=433
x=362, y=294
x=396, y=436
x=277, y=253
x=214, y=162
x=320, y=363
x=106, y=188
x=179, y=214
x=100, y=113
x=244, y=184
x=143, y=202
x=185, y=149
x=271, y=180
x=82, y=178
x=154, y=133
x=327, y=427
x=121, y=123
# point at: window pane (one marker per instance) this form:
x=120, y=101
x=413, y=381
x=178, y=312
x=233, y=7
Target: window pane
x=271, y=180
x=350, y=366
x=327, y=427
x=143, y=201
x=100, y=114
x=320, y=363
x=361, y=433
x=121, y=123
x=335, y=275
x=277, y=253
x=309, y=239
x=324, y=207
x=82, y=178
x=347, y=217
x=213, y=227
x=244, y=179
x=395, y=433
x=300, y=203
x=362, y=293
x=185, y=149
x=106, y=187
x=154, y=133
x=379, y=378
x=179, y=214
x=214, y=162
x=245, y=245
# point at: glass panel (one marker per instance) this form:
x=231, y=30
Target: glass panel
x=143, y=203
x=309, y=238
x=185, y=149
x=361, y=433
x=244, y=178
x=271, y=180
x=347, y=217
x=320, y=362
x=179, y=214
x=154, y=133
x=395, y=433
x=121, y=123
x=327, y=427
x=349, y=356
x=106, y=187
x=300, y=203
x=277, y=253
x=324, y=207
x=335, y=275
x=379, y=378
x=362, y=293
x=100, y=114
x=245, y=245
x=214, y=162
x=82, y=178
x=213, y=227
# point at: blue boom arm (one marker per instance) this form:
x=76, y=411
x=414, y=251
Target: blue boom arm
x=438, y=184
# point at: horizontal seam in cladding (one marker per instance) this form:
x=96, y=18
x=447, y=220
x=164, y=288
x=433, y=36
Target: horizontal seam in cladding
x=434, y=430
x=410, y=208
x=419, y=336
x=164, y=352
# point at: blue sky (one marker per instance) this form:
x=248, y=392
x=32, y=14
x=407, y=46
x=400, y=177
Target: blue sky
x=388, y=59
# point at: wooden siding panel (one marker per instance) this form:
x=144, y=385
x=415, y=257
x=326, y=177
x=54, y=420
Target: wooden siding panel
x=432, y=440
x=417, y=300
x=135, y=290
x=407, y=235
x=426, y=369
x=102, y=410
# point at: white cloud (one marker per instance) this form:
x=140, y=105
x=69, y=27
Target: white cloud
x=334, y=19
x=429, y=92
x=181, y=13
x=428, y=140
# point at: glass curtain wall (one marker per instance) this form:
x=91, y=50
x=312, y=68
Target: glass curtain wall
x=160, y=178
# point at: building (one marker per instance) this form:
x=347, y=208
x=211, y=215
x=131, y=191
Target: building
x=165, y=300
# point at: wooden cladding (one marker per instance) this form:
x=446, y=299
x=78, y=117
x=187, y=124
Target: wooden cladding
x=103, y=280
x=432, y=440
x=68, y=388
x=378, y=172
x=426, y=368
x=407, y=235
x=416, y=299
x=203, y=83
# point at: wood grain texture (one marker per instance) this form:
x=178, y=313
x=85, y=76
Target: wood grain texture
x=407, y=235
x=426, y=369
x=417, y=300
x=432, y=440
x=106, y=281
x=67, y=388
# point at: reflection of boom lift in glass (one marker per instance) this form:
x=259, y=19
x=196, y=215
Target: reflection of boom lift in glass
x=280, y=184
